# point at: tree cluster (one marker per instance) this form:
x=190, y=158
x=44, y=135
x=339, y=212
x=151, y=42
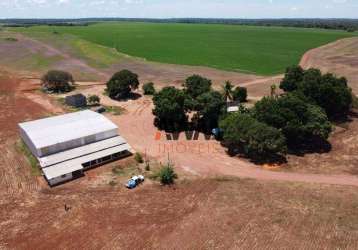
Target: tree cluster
x=273, y=125
x=299, y=121
x=329, y=92
x=197, y=99
x=349, y=25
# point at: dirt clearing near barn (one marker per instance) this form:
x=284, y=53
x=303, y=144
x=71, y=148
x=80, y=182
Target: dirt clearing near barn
x=214, y=213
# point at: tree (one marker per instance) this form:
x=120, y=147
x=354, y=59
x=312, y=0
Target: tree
x=169, y=109
x=327, y=91
x=57, y=81
x=93, y=99
x=196, y=85
x=227, y=91
x=293, y=77
x=299, y=120
x=240, y=94
x=121, y=84
x=210, y=106
x=257, y=140
x=148, y=88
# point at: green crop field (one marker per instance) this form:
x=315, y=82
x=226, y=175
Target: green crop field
x=260, y=50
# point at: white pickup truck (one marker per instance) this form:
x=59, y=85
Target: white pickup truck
x=135, y=181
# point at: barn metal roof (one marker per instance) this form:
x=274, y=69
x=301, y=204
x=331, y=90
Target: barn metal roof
x=81, y=151
x=53, y=172
x=72, y=165
x=63, y=128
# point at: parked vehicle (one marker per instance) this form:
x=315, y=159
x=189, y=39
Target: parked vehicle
x=135, y=181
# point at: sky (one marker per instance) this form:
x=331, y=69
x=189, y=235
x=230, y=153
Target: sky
x=179, y=8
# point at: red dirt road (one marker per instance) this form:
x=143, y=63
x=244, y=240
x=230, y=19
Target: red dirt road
x=204, y=158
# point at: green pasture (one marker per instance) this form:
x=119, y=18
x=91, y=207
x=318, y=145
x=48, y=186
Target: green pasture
x=260, y=50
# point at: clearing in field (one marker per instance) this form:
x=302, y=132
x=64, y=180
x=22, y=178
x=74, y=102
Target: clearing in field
x=228, y=47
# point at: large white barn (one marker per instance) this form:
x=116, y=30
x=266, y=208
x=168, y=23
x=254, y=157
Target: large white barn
x=66, y=145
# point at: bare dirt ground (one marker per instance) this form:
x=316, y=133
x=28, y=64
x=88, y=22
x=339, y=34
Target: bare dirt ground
x=200, y=214
x=15, y=174
x=218, y=212
x=341, y=159
x=340, y=57
x=208, y=158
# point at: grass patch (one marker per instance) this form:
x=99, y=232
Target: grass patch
x=37, y=62
x=130, y=170
x=115, y=110
x=97, y=56
x=112, y=183
x=228, y=47
x=22, y=148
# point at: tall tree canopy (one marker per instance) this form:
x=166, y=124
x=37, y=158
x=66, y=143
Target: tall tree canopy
x=196, y=85
x=293, y=77
x=210, y=106
x=328, y=91
x=258, y=140
x=169, y=110
x=298, y=120
x=121, y=84
x=240, y=94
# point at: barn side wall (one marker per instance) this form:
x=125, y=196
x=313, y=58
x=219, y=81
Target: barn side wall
x=29, y=143
x=60, y=179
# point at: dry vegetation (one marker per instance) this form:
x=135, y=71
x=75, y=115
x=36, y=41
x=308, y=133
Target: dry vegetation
x=221, y=213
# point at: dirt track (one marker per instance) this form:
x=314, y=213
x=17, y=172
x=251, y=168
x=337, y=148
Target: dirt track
x=340, y=57
x=204, y=158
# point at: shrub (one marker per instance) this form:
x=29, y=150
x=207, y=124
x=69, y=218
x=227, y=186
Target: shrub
x=57, y=81
x=240, y=94
x=93, y=99
x=148, y=88
x=147, y=166
x=167, y=175
x=138, y=157
x=122, y=84
x=11, y=39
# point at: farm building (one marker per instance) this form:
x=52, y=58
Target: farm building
x=77, y=100
x=233, y=106
x=66, y=145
